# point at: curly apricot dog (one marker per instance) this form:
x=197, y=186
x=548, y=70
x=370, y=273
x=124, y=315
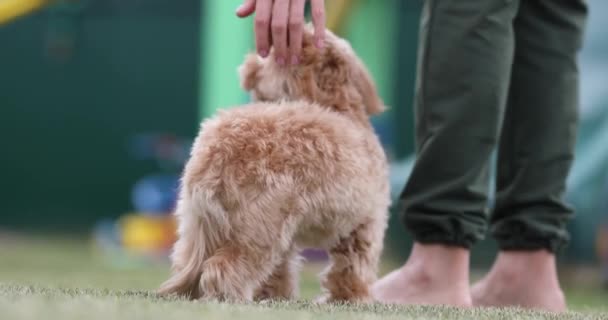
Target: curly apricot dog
x=301, y=166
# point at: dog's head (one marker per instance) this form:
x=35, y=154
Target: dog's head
x=333, y=77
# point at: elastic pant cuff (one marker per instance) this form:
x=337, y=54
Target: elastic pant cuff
x=445, y=229
x=443, y=239
x=531, y=243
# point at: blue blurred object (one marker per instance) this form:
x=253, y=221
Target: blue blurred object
x=169, y=151
x=384, y=129
x=155, y=194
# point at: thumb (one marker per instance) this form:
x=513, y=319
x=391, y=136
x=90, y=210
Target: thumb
x=246, y=9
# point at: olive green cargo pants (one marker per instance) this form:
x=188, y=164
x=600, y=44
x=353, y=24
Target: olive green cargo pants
x=495, y=74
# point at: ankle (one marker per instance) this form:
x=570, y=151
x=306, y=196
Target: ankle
x=528, y=262
x=524, y=266
x=433, y=262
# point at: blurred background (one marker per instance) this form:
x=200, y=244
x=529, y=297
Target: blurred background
x=100, y=100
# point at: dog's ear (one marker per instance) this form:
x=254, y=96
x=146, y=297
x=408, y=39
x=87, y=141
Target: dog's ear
x=248, y=72
x=365, y=85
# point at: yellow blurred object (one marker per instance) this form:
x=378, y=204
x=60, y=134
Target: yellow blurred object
x=147, y=233
x=337, y=12
x=12, y=9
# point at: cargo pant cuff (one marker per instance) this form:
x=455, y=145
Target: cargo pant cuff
x=427, y=228
x=443, y=239
x=530, y=241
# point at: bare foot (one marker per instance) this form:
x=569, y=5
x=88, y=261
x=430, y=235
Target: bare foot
x=527, y=279
x=433, y=275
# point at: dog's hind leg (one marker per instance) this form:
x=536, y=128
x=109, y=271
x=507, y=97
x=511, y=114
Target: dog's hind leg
x=283, y=282
x=354, y=264
x=247, y=258
x=235, y=271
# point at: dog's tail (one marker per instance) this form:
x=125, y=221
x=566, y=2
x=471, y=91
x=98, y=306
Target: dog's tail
x=203, y=225
x=185, y=278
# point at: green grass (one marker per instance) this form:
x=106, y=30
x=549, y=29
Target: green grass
x=64, y=280
x=28, y=302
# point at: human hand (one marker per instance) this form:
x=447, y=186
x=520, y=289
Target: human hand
x=280, y=23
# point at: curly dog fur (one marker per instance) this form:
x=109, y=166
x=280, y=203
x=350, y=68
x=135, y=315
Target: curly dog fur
x=301, y=166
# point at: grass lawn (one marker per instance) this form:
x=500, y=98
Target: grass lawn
x=64, y=280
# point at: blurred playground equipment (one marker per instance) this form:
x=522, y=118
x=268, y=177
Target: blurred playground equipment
x=128, y=67
x=146, y=234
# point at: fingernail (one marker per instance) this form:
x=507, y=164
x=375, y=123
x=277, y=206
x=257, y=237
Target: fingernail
x=263, y=53
x=295, y=60
x=281, y=61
